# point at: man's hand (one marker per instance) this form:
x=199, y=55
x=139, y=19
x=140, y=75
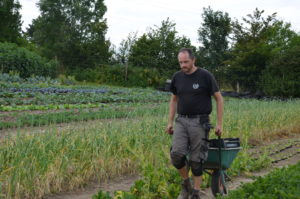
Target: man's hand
x=172, y=111
x=218, y=130
x=169, y=129
x=220, y=104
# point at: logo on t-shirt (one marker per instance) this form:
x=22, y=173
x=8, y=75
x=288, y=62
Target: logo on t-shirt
x=195, y=86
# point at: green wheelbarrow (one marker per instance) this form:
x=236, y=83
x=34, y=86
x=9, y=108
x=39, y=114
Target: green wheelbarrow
x=221, y=153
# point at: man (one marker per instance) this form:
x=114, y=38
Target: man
x=192, y=88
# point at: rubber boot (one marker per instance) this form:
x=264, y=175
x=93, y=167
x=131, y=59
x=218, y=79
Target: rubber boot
x=186, y=189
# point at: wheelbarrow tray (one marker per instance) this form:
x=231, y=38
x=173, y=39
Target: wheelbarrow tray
x=227, y=157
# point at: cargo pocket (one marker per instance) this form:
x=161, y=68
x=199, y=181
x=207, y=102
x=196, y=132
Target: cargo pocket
x=204, y=150
x=206, y=126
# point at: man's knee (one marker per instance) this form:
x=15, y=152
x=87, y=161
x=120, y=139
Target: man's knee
x=178, y=160
x=197, y=168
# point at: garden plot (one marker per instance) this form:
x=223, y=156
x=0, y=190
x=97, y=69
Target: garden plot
x=50, y=153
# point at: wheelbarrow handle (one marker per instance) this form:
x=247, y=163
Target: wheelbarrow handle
x=222, y=173
x=220, y=153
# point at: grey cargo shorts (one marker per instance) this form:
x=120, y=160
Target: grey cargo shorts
x=190, y=137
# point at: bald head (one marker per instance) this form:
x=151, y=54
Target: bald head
x=189, y=51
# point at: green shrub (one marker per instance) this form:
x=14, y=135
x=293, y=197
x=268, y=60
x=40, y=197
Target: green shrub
x=116, y=75
x=88, y=74
x=67, y=80
x=25, y=62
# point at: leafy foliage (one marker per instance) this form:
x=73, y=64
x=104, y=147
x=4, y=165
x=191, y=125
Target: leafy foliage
x=10, y=21
x=125, y=48
x=73, y=32
x=158, y=48
x=282, y=75
x=213, y=34
x=281, y=183
x=13, y=77
x=257, y=43
x=25, y=62
x=16, y=94
x=122, y=75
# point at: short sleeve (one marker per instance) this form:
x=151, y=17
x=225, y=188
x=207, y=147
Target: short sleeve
x=172, y=86
x=213, y=84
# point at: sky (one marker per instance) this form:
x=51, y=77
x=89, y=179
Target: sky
x=127, y=16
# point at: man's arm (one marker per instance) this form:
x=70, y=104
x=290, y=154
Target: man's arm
x=219, y=102
x=172, y=111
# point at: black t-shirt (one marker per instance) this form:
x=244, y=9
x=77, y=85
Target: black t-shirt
x=194, y=91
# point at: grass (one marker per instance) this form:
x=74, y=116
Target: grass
x=259, y=120
x=57, y=160
x=32, y=166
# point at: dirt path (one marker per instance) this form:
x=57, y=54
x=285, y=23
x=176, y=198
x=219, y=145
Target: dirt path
x=122, y=183
x=238, y=181
x=285, y=152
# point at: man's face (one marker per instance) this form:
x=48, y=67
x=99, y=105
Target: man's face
x=185, y=62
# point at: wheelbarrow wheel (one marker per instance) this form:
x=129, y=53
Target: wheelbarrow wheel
x=217, y=186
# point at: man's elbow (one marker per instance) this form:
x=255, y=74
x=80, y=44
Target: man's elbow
x=173, y=99
x=218, y=97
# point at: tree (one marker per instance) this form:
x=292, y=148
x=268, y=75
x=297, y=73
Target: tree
x=10, y=21
x=158, y=48
x=256, y=43
x=282, y=75
x=125, y=48
x=213, y=34
x=72, y=31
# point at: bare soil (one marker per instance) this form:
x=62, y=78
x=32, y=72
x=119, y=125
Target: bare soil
x=121, y=184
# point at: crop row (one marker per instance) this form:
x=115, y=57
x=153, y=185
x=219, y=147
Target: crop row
x=37, y=96
x=32, y=107
x=19, y=120
x=34, y=165
x=273, y=149
x=50, y=90
x=15, y=78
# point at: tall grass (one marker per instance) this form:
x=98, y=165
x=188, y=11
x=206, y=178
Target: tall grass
x=33, y=165
x=259, y=120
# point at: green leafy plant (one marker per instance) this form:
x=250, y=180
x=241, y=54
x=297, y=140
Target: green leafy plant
x=25, y=62
x=279, y=184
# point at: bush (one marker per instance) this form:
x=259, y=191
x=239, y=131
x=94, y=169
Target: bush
x=89, y=75
x=25, y=62
x=67, y=80
x=116, y=75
